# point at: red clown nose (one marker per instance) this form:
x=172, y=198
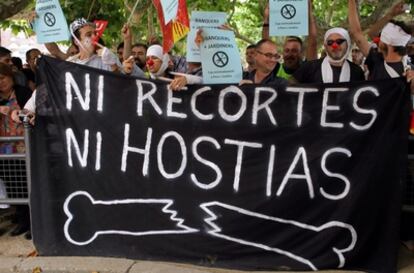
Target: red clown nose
x=150, y=62
x=335, y=45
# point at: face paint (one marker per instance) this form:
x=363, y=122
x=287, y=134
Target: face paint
x=150, y=62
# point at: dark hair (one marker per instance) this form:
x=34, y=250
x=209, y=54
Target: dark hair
x=294, y=39
x=251, y=46
x=17, y=62
x=29, y=52
x=6, y=70
x=121, y=45
x=140, y=45
x=401, y=50
x=4, y=51
x=263, y=41
x=403, y=26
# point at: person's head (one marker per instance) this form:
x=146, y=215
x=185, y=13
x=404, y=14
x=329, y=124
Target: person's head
x=292, y=52
x=139, y=52
x=5, y=56
x=357, y=56
x=17, y=63
x=72, y=50
x=266, y=56
x=120, y=51
x=250, y=52
x=157, y=61
x=337, y=44
x=6, y=78
x=84, y=35
x=31, y=57
x=394, y=38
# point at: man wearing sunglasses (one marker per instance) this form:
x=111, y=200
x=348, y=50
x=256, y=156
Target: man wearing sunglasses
x=334, y=67
x=266, y=60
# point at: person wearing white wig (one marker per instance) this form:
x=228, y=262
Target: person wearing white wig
x=389, y=60
x=335, y=67
x=157, y=64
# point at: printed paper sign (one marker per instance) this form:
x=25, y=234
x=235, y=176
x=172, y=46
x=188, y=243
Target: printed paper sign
x=288, y=17
x=50, y=25
x=220, y=57
x=169, y=9
x=201, y=19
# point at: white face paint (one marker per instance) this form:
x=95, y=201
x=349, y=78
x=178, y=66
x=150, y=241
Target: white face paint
x=88, y=45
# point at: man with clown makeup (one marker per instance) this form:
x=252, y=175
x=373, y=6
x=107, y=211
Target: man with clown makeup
x=335, y=67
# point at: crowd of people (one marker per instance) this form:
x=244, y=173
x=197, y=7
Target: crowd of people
x=348, y=56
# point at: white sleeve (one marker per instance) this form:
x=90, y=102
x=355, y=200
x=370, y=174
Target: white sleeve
x=31, y=103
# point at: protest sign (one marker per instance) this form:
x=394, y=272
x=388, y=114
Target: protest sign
x=288, y=17
x=201, y=19
x=50, y=24
x=220, y=57
x=252, y=177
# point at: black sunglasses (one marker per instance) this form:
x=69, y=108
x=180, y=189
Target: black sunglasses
x=337, y=41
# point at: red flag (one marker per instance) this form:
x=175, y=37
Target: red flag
x=100, y=28
x=177, y=28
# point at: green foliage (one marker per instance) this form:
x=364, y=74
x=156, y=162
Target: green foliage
x=245, y=16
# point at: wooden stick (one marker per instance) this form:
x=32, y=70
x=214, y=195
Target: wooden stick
x=133, y=11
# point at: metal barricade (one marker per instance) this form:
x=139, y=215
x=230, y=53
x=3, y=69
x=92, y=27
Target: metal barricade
x=15, y=171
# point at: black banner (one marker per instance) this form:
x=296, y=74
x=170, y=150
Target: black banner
x=251, y=177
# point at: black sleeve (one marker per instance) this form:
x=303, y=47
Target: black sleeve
x=302, y=74
x=373, y=58
x=357, y=74
x=23, y=94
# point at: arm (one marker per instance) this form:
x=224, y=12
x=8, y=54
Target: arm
x=312, y=41
x=265, y=29
x=126, y=34
x=55, y=51
x=376, y=28
x=355, y=28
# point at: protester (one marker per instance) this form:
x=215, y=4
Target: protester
x=250, y=52
x=293, y=48
x=5, y=57
x=13, y=97
x=158, y=67
x=139, y=51
x=390, y=60
x=266, y=60
x=120, y=51
x=31, y=56
x=334, y=67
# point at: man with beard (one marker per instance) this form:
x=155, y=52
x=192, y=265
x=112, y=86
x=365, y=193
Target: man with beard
x=139, y=52
x=334, y=67
x=293, y=49
x=292, y=57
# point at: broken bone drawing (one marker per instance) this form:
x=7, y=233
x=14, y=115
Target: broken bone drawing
x=156, y=215
x=221, y=213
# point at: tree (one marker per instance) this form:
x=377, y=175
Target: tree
x=244, y=16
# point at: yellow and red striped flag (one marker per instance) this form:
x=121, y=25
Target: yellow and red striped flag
x=177, y=28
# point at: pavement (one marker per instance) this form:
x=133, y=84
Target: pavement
x=19, y=255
